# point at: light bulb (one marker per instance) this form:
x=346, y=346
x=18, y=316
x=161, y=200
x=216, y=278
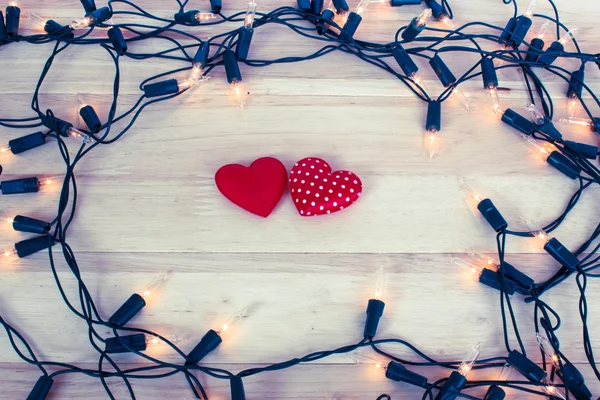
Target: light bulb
x=81, y=102
x=567, y=37
x=431, y=141
x=416, y=78
x=423, y=17
x=233, y=319
x=473, y=270
x=4, y=149
x=504, y=373
x=499, y=112
x=380, y=283
x=81, y=23
x=493, y=93
x=13, y=3
x=473, y=194
x=197, y=72
x=448, y=22
x=553, y=390
x=48, y=181
x=77, y=134
x=531, y=9
x=544, y=148
x=536, y=115
x=535, y=229
x=577, y=121
x=543, y=29
x=572, y=106
x=9, y=255
x=358, y=358
x=548, y=350
x=469, y=360
x=204, y=16
x=155, y=285
x=174, y=339
x=37, y=19
x=250, y=15
x=462, y=98
x=362, y=6
x=483, y=259
x=239, y=94
x=10, y=220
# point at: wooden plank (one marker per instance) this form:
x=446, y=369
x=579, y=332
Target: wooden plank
x=297, y=303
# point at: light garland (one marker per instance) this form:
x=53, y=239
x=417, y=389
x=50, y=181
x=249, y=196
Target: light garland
x=569, y=157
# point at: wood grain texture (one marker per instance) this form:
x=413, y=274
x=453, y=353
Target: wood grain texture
x=148, y=204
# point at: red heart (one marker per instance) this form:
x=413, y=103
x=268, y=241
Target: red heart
x=316, y=190
x=257, y=188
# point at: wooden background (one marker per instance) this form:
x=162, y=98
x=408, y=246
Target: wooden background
x=148, y=204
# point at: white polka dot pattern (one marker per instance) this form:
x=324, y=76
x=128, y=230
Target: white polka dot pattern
x=330, y=196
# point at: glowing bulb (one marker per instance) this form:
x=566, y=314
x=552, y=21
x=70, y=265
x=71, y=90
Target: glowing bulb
x=531, y=8
x=81, y=23
x=13, y=4
x=473, y=270
x=462, y=98
x=239, y=95
x=499, y=112
x=544, y=28
x=358, y=358
x=495, y=100
x=197, y=72
x=577, y=121
x=10, y=255
x=416, y=78
x=80, y=101
x=233, y=319
x=174, y=339
x=469, y=360
x=423, y=17
x=553, y=391
x=362, y=6
x=573, y=104
x=548, y=350
x=46, y=181
x=77, y=134
x=380, y=283
x=535, y=229
x=446, y=20
x=431, y=141
x=204, y=16
x=4, y=149
x=250, y=15
x=471, y=190
x=567, y=37
x=37, y=19
x=536, y=115
x=544, y=147
x=10, y=220
x=155, y=284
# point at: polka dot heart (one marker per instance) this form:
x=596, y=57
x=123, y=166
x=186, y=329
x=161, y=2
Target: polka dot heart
x=316, y=190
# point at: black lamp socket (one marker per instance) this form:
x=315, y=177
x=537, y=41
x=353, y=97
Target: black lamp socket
x=117, y=40
x=161, y=88
x=27, y=142
x=41, y=389
x=243, y=44
x=452, y=387
x=374, y=312
x=127, y=311
x=526, y=367
x=491, y=214
x=561, y=254
x=18, y=186
x=442, y=71
x=27, y=247
x=210, y=341
x=30, y=225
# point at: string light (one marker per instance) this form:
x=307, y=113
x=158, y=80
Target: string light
x=479, y=266
x=156, y=284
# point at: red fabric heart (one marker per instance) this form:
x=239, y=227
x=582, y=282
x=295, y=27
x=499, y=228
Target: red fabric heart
x=257, y=188
x=316, y=190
